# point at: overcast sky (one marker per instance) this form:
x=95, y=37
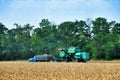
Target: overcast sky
x=57, y=11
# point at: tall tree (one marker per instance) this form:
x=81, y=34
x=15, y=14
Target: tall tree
x=100, y=32
x=3, y=38
x=43, y=38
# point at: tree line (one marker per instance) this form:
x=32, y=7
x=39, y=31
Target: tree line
x=98, y=37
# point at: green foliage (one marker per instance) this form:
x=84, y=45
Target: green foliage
x=98, y=37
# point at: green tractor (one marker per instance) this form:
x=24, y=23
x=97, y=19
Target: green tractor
x=73, y=54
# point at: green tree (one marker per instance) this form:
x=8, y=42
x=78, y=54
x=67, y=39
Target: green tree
x=43, y=38
x=3, y=38
x=100, y=33
x=23, y=41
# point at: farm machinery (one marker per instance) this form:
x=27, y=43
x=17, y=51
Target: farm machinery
x=71, y=54
x=42, y=58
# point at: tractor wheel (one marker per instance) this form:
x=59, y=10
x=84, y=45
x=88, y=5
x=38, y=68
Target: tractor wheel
x=83, y=60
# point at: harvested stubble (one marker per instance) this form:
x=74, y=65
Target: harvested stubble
x=59, y=71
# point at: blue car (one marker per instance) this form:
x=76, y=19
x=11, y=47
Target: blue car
x=32, y=59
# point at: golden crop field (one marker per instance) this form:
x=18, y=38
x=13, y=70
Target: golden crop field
x=59, y=71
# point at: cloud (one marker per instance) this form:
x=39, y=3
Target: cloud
x=26, y=4
x=32, y=11
x=55, y=3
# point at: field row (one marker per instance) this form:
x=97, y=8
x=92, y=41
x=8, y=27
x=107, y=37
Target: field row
x=59, y=71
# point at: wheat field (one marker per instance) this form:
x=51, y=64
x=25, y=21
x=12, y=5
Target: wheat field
x=23, y=70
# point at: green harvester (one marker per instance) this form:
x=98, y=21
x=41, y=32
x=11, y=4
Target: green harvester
x=73, y=54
